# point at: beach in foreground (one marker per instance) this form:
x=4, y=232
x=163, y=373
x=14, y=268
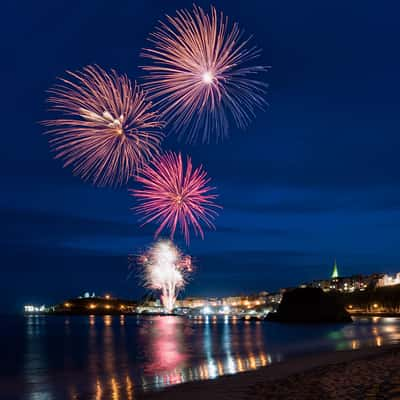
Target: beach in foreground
x=333, y=375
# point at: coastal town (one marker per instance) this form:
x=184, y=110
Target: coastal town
x=374, y=294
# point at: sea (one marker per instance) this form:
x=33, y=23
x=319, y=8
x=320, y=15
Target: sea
x=120, y=357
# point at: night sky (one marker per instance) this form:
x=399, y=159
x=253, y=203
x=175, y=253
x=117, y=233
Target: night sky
x=314, y=177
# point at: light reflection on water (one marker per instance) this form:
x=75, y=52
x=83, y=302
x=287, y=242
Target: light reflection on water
x=105, y=357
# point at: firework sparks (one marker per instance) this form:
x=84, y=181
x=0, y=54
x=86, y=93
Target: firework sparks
x=107, y=130
x=174, y=195
x=199, y=72
x=165, y=269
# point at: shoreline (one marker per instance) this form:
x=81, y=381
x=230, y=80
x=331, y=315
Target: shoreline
x=308, y=372
x=135, y=314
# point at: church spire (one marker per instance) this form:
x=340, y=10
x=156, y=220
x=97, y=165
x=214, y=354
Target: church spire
x=335, y=272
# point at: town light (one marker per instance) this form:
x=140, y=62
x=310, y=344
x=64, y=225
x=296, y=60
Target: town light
x=29, y=308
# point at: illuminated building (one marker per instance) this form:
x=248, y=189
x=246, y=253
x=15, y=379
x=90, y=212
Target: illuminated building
x=191, y=302
x=253, y=305
x=31, y=309
x=388, y=280
x=346, y=284
x=232, y=301
x=274, y=298
x=335, y=272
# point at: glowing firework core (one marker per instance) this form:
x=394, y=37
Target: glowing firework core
x=208, y=77
x=105, y=118
x=165, y=269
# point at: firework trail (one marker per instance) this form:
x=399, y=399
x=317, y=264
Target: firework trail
x=174, y=194
x=167, y=270
x=199, y=73
x=107, y=129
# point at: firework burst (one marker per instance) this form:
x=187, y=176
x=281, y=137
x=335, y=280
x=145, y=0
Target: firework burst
x=199, y=74
x=175, y=194
x=107, y=129
x=165, y=269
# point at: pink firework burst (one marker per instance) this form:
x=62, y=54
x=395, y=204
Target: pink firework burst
x=201, y=71
x=174, y=194
x=107, y=129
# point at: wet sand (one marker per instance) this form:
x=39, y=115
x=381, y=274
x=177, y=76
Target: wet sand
x=358, y=374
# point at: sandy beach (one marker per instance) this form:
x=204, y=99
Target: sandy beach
x=333, y=375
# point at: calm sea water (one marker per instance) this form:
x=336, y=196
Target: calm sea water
x=45, y=358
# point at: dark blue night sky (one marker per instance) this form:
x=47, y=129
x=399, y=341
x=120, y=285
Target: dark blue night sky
x=314, y=177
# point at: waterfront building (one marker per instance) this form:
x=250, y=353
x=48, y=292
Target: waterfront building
x=230, y=304
x=191, y=302
x=389, y=280
x=32, y=309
